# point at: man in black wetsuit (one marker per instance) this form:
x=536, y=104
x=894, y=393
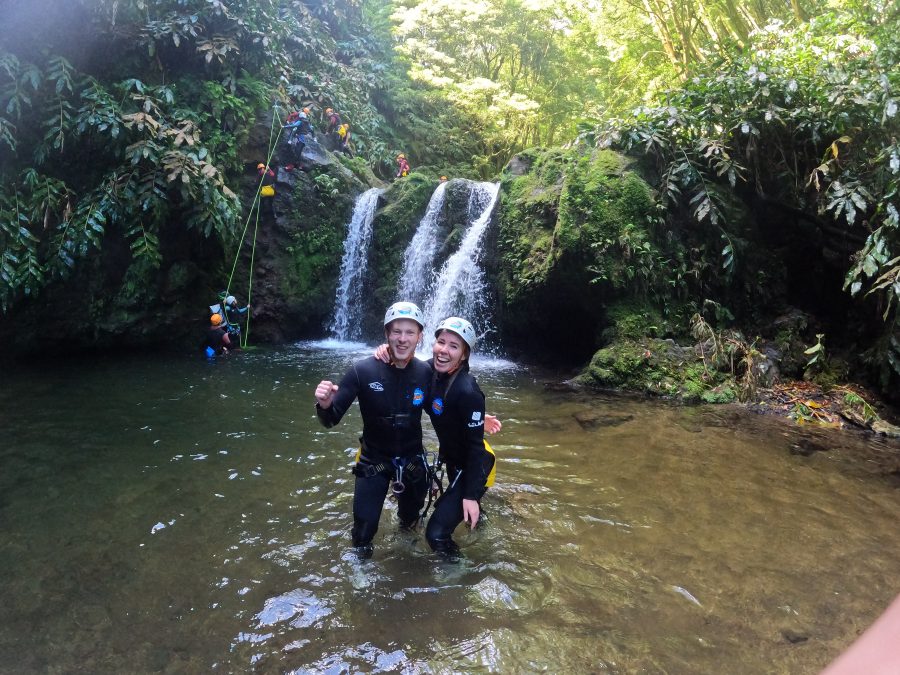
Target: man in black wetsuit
x=390, y=401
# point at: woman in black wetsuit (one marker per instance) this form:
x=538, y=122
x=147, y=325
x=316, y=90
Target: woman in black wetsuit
x=456, y=407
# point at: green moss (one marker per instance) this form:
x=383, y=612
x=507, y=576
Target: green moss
x=658, y=367
x=633, y=321
x=724, y=393
x=393, y=227
x=595, y=212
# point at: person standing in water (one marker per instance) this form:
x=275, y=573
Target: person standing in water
x=456, y=406
x=391, y=396
x=457, y=411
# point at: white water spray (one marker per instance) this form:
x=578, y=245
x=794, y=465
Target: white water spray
x=459, y=288
x=418, y=259
x=348, y=305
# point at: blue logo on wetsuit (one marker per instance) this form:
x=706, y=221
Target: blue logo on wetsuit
x=437, y=406
x=418, y=396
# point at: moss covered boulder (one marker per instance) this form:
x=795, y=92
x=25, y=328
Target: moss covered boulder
x=575, y=235
x=658, y=367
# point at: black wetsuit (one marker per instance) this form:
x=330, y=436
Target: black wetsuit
x=458, y=419
x=233, y=316
x=215, y=338
x=390, y=401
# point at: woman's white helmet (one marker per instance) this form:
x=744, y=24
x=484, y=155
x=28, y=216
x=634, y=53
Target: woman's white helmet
x=459, y=326
x=404, y=310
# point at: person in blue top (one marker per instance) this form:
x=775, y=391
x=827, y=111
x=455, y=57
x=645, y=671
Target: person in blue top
x=391, y=397
x=300, y=128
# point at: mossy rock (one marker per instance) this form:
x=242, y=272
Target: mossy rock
x=573, y=232
x=657, y=367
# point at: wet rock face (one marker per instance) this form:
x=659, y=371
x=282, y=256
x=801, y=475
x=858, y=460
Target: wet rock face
x=299, y=242
x=562, y=217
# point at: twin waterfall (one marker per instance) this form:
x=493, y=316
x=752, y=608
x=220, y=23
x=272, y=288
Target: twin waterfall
x=457, y=288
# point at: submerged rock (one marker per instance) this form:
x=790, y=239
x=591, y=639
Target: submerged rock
x=591, y=419
x=807, y=448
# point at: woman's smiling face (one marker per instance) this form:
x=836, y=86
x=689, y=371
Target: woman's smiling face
x=449, y=351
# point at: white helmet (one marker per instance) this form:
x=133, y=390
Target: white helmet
x=459, y=326
x=404, y=310
x=231, y=300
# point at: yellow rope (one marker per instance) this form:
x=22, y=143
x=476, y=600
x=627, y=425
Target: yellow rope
x=256, y=205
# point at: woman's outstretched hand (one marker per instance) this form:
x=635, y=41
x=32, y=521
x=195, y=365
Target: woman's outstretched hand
x=491, y=424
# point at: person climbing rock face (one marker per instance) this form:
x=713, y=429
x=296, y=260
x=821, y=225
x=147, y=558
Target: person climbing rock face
x=332, y=121
x=402, y=166
x=344, y=136
x=300, y=130
x=267, y=189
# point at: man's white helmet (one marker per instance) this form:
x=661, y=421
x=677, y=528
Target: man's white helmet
x=459, y=326
x=404, y=310
x=231, y=300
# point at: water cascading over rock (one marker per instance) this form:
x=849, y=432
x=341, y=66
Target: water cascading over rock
x=348, y=304
x=418, y=259
x=459, y=287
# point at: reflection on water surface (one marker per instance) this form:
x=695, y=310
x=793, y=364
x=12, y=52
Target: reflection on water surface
x=184, y=516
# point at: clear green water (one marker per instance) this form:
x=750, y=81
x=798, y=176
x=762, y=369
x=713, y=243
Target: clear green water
x=658, y=539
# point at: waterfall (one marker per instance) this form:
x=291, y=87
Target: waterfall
x=348, y=300
x=419, y=256
x=459, y=288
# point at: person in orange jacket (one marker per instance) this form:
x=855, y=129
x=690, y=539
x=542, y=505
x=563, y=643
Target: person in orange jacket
x=402, y=166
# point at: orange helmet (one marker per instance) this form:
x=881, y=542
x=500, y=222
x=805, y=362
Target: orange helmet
x=216, y=319
x=306, y=110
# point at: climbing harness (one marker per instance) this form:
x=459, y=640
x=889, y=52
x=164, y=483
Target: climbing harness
x=261, y=191
x=397, y=486
x=435, y=469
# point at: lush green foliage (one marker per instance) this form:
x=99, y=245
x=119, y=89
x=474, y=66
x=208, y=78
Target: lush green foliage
x=96, y=147
x=520, y=72
x=805, y=116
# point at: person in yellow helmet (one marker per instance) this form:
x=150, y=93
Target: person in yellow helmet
x=402, y=166
x=217, y=340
